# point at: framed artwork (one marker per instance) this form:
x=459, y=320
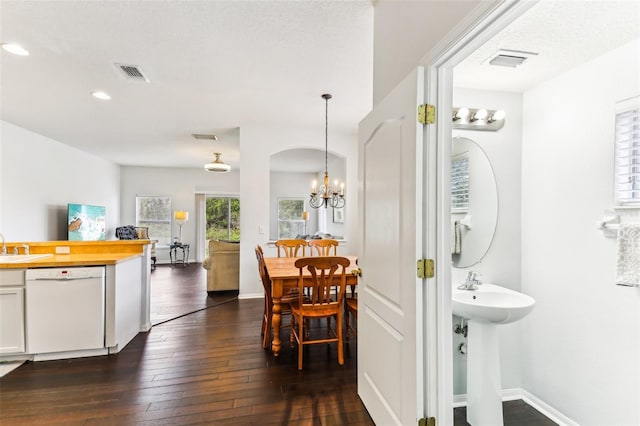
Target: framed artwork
x=338, y=215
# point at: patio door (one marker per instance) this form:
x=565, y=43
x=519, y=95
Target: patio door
x=391, y=205
x=222, y=218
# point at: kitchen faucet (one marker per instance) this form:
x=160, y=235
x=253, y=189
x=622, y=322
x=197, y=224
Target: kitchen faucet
x=472, y=282
x=4, y=246
x=24, y=246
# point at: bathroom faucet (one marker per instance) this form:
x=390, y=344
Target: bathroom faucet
x=4, y=246
x=472, y=282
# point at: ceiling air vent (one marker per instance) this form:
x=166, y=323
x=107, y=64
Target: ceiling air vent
x=509, y=58
x=133, y=72
x=205, y=137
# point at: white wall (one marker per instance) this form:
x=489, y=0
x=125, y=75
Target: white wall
x=404, y=31
x=181, y=184
x=501, y=264
x=39, y=176
x=581, y=343
x=257, y=144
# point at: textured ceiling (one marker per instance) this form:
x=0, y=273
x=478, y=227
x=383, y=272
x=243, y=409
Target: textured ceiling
x=565, y=33
x=214, y=66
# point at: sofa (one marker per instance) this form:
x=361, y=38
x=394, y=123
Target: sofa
x=223, y=266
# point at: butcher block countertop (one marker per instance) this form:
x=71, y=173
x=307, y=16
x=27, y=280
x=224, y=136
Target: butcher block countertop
x=76, y=253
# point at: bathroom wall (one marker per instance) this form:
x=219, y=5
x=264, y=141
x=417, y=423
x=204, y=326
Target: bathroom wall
x=501, y=264
x=581, y=343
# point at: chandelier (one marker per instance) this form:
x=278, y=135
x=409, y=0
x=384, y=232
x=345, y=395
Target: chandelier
x=327, y=195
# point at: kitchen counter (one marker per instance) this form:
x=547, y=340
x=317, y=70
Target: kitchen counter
x=124, y=299
x=77, y=253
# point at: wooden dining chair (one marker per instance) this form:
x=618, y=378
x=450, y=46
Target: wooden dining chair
x=323, y=247
x=285, y=301
x=291, y=248
x=350, y=308
x=322, y=273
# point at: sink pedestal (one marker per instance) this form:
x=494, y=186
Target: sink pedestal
x=484, y=402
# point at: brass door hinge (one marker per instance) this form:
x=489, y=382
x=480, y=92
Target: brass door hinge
x=431, y=421
x=426, y=114
x=426, y=268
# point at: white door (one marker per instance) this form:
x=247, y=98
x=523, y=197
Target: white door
x=390, y=325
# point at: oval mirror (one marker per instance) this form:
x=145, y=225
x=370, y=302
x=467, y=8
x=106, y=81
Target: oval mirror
x=474, y=203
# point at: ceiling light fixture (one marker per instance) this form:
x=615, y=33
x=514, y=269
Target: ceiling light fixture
x=327, y=195
x=16, y=49
x=101, y=95
x=477, y=119
x=217, y=165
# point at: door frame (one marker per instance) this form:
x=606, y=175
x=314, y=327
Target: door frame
x=479, y=27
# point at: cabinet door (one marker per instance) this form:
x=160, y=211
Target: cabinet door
x=11, y=320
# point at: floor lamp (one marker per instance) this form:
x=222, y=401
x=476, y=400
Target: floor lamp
x=180, y=217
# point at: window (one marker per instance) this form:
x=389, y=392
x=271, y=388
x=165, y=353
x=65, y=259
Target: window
x=155, y=213
x=223, y=219
x=627, y=153
x=459, y=185
x=290, y=222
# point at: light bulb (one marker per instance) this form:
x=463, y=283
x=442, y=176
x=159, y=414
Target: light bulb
x=498, y=115
x=480, y=114
x=461, y=113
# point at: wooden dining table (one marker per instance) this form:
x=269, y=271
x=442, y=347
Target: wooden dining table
x=284, y=275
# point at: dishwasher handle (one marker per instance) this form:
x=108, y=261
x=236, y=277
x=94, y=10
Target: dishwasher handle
x=60, y=279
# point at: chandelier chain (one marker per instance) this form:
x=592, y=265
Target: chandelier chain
x=328, y=195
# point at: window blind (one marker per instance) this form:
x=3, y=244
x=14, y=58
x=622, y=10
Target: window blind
x=460, y=185
x=627, y=152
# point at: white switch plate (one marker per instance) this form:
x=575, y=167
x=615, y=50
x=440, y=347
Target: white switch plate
x=260, y=230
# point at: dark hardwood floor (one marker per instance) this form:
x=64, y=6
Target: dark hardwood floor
x=181, y=289
x=204, y=368
x=207, y=367
x=515, y=413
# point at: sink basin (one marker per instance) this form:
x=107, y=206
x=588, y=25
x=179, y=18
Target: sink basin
x=491, y=303
x=18, y=258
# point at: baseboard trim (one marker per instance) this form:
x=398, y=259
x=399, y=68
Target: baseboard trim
x=251, y=296
x=529, y=398
x=546, y=409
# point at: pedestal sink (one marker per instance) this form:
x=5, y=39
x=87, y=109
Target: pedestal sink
x=485, y=308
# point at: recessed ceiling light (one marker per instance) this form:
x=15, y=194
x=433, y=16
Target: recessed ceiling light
x=16, y=49
x=101, y=95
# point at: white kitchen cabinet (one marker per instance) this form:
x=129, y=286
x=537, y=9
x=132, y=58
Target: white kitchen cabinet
x=12, y=338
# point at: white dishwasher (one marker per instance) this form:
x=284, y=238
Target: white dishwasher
x=65, y=309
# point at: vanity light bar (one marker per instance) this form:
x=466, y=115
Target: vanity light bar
x=477, y=119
